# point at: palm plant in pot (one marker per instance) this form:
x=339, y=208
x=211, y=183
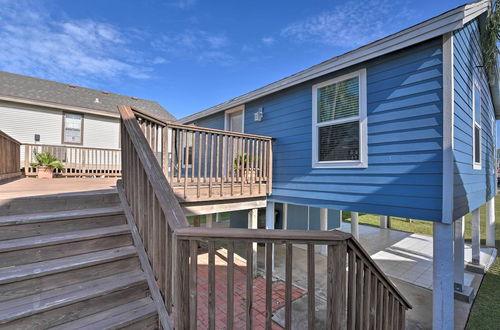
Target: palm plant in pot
x=45, y=164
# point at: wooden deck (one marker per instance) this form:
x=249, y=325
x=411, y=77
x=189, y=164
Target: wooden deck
x=217, y=189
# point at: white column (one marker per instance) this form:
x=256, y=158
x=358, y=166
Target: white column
x=490, y=223
x=208, y=221
x=253, y=224
x=355, y=225
x=270, y=223
x=217, y=217
x=323, y=225
x=476, y=237
x=442, y=276
x=383, y=221
x=323, y=219
x=285, y=216
x=458, y=253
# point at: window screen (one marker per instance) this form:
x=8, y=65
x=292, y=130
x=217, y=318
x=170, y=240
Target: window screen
x=72, y=128
x=339, y=142
x=339, y=100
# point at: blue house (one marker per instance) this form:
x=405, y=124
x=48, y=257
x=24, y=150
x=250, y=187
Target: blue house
x=403, y=126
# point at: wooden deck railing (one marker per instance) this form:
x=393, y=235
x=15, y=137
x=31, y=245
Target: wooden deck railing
x=359, y=295
x=9, y=157
x=77, y=161
x=208, y=164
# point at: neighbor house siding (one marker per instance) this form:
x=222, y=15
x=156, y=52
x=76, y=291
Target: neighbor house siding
x=23, y=121
x=215, y=121
x=472, y=187
x=404, y=173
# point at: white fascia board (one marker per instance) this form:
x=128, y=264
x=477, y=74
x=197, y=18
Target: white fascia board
x=434, y=27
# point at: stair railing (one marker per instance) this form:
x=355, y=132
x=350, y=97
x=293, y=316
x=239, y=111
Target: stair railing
x=358, y=293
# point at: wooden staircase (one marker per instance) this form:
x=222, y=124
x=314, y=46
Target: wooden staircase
x=68, y=262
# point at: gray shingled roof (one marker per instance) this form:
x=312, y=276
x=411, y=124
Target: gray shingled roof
x=41, y=90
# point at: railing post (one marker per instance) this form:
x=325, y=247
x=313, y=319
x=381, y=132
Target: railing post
x=336, y=286
x=164, y=151
x=182, y=312
x=270, y=168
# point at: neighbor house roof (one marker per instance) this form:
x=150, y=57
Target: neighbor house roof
x=447, y=22
x=47, y=93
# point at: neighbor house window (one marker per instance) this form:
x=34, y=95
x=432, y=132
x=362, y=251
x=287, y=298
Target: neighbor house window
x=72, y=128
x=476, y=132
x=339, y=122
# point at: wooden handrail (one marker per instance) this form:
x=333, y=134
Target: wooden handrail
x=163, y=191
x=218, y=131
x=263, y=235
x=359, y=294
x=68, y=146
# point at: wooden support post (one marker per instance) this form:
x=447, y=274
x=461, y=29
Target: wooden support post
x=476, y=237
x=442, y=294
x=355, y=225
x=196, y=221
x=208, y=222
x=490, y=223
x=383, y=221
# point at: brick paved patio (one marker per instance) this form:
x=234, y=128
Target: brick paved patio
x=259, y=294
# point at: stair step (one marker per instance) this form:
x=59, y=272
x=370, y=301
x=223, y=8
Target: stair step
x=59, y=202
x=20, y=226
x=17, y=309
x=114, y=318
x=60, y=238
x=43, y=268
x=20, y=219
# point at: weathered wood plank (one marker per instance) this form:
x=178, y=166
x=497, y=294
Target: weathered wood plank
x=311, y=292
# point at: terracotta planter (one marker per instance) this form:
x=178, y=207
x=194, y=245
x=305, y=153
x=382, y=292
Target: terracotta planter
x=45, y=172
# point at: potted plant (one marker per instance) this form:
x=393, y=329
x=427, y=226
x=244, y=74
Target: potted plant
x=243, y=166
x=45, y=164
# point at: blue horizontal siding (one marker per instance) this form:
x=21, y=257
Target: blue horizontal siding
x=404, y=174
x=472, y=188
x=215, y=121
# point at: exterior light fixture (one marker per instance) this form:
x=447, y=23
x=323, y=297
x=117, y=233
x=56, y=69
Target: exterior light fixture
x=259, y=114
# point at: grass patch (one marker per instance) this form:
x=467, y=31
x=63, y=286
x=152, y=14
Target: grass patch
x=203, y=218
x=484, y=313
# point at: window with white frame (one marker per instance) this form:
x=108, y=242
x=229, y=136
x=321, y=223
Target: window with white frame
x=339, y=122
x=72, y=128
x=476, y=130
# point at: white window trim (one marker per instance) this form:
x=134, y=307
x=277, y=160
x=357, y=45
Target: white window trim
x=475, y=165
x=363, y=132
x=235, y=109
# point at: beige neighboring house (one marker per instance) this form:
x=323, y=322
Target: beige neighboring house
x=44, y=112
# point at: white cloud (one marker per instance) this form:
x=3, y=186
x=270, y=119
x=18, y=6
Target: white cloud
x=268, y=41
x=351, y=24
x=195, y=44
x=78, y=51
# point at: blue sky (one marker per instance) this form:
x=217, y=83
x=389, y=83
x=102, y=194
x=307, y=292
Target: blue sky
x=190, y=54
